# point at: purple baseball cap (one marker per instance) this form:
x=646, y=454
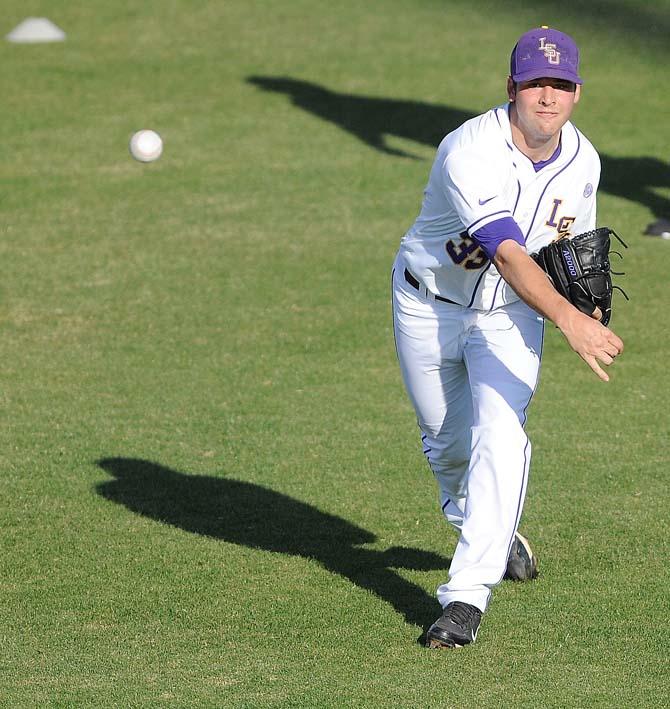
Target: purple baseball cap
x=545, y=52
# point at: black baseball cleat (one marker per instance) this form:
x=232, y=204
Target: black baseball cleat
x=456, y=627
x=521, y=562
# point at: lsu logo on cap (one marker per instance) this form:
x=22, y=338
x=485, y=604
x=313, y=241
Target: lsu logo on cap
x=550, y=52
x=545, y=52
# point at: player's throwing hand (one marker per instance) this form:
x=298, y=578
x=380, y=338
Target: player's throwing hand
x=593, y=342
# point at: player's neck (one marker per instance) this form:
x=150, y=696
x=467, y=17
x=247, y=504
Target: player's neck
x=540, y=153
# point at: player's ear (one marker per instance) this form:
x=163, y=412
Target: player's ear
x=578, y=92
x=511, y=89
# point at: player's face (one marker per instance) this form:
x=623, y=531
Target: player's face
x=542, y=106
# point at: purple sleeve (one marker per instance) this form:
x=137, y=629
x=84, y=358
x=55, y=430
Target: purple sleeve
x=489, y=237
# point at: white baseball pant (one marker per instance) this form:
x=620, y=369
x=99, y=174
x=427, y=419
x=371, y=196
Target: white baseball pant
x=470, y=376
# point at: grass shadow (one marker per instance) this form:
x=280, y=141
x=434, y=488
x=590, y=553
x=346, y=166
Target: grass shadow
x=368, y=118
x=372, y=119
x=250, y=515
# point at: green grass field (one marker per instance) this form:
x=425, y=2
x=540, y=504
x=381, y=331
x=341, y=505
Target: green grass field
x=213, y=492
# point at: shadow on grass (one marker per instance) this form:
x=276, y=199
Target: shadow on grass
x=253, y=516
x=368, y=118
x=371, y=119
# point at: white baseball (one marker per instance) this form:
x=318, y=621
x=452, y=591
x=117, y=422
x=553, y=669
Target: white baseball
x=146, y=145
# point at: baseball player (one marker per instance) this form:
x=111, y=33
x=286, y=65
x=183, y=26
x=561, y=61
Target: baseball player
x=469, y=306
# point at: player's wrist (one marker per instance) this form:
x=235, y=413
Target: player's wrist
x=565, y=315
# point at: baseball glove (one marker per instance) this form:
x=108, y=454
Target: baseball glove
x=579, y=268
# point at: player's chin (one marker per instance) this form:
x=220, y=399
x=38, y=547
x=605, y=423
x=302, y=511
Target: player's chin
x=549, y=123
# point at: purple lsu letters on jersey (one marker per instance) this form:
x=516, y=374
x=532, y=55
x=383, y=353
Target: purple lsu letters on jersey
x=479, y=177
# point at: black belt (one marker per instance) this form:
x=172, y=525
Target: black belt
x=415, y=284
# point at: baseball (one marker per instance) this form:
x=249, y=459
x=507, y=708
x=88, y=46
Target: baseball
x=146, y=145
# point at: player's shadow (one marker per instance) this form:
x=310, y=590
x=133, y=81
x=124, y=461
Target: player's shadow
x=372, y=119
x=254, y=516
x=636, y=179
x=369, y=118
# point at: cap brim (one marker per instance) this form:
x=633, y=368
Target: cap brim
x=547, y=74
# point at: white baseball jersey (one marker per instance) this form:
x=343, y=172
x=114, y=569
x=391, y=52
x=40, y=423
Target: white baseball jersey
x=478, y=177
